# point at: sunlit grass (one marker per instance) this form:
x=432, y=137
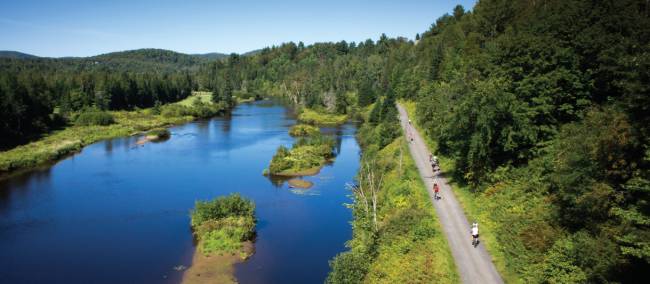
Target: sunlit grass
x=313, y=117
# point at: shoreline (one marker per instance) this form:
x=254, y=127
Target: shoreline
x=61, y=144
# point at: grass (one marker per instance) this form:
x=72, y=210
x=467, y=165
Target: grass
x=223, y=224
x=313, y=117
x=302, y=130
x=412, y=247
x=204, y=97
x=470, y=201
x=297, y=172
x=225, y=229
x=306, y=157
x=61, y=143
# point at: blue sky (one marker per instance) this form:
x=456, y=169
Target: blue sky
x=84, y=28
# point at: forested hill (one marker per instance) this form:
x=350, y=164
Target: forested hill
x=149, y=57
x=211, y=55
x=15, y=54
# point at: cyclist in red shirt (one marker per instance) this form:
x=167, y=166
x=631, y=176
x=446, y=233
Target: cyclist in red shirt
x=436, y=191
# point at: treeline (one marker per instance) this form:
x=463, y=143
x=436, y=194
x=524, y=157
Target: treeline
x=37, y=94
x=322, y=76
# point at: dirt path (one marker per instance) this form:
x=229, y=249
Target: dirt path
x=474, y=264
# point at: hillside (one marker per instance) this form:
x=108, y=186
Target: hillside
x=211, y=55
x=15, y=54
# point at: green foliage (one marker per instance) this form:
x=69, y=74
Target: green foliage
x=225, y=206
x=318, y=118
x=95, y=117
x=366, y=93
x=196, y=107
x=545, y=118
x=71, y=139
x=279, y=162
x=540, y=109
x=221, y=225
x=300, y=130
x=306, y=156
x=405, y=245
x=348, y=267
x=225, y=234
x=559, y=266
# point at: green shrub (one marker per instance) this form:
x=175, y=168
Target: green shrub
x=225, y=235
x=300, y=130
x=278, y=162
x=95, y=118
x=222, y=207
x=221, y=225
x=348, y=267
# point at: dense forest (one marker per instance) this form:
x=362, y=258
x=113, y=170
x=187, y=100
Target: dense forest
x=542, y=105
x=37, y=93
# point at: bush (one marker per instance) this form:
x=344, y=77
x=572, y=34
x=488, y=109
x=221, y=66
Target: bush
x=222, y=207
x=225, y=235
x=301, y=130
x=348, y=267
x=278, y=162
x=95, y=118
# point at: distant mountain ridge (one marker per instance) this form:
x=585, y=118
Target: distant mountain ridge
x=15, y=54
x=147, y=54
x=211, y=55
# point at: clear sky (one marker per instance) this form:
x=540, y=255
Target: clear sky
x=84, y=28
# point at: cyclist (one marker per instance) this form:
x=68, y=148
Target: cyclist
x=436, y=191
x=434, y=163
x=474, y=233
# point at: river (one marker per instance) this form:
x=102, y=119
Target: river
x=119, y=213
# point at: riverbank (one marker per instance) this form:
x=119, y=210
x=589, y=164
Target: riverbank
x=396, y=234
x=62, y=143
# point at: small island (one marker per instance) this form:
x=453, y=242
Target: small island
x=225, y=229
x=311, y=151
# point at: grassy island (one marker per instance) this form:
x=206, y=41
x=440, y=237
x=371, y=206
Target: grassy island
x=224, y=228
x=307, y=156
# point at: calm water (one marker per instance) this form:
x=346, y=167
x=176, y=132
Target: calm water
x=116, y=213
